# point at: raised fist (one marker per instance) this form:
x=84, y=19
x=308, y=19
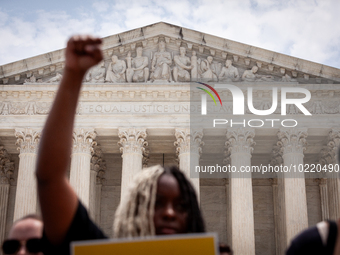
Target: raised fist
x=82, y=52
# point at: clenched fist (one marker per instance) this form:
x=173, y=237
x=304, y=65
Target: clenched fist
x=82, y=52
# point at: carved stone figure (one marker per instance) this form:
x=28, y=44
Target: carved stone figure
x=4, y=108
x=229, y=72
x=56, y=78
x=116, y=70
x=129, y=69
x=97, y=73
x=137, y=68
x=32, y=79
x=182, y=65
x=194, y=67
x=251, y=76
x=31, y=108
x=207, y=71
x=287, y=78
x=160, y=66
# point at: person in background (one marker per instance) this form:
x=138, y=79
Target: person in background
x=323, y=238
x=319, y=239
x=225, y=250
x=24, y=236
x=160, y=201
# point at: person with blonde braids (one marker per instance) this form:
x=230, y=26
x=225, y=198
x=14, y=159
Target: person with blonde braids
x=145, y=211
x=160, y=201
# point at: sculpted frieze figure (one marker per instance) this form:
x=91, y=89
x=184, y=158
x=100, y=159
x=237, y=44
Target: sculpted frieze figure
x=207, y=71
x=56, y=78
x=161, y=62
x=229, y=72
x=251, y=76
x=96, y=74
x=116, y=70
x=137, y=70
x=194, y=66
x=129, y=69
x=183, y=64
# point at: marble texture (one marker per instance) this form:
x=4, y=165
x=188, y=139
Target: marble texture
x=26, y=193
x=293, y=186
x=241, y=211
x=83, y=140
x=132, y=145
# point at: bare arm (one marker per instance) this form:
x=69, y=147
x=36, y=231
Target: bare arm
x=58, y=200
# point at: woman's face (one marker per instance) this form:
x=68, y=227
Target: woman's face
x=171, y=212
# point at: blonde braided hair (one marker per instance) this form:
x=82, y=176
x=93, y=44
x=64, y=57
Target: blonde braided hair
x=134, y=215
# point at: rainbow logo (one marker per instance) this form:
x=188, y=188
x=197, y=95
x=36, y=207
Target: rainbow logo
x=211, y=95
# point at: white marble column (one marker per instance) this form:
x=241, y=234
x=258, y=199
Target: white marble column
x=292, y=186
x=26, y=193
x=277, y=204
x=133, y=144
x=333, y=180
x=189, y=148
x=92, y=193
x=98, y=167
x=241, y=219
x=83, y=142
x=324, y=199
x=98, y=197
x=6, y=170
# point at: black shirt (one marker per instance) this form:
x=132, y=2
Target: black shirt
x=309, y=242
x=81, y=228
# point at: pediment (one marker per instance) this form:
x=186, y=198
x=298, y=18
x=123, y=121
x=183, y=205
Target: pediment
x=271, y=66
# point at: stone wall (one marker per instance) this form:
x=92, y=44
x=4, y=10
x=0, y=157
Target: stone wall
x=214, y=208
x=313, y=204
x=264, y=220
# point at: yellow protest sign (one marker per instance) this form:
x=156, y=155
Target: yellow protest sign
x=198, y=244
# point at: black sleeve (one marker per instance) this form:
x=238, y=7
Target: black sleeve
x=308, y=242
x=81, y=228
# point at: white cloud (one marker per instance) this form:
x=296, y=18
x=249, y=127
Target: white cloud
x=305, y=29
x=49, y=31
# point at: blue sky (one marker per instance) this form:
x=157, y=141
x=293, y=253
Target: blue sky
x=307, y=29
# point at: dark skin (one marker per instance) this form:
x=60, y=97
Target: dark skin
x=170, y=210
x=58, y=200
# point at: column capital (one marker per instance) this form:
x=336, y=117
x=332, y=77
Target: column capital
x=327, y=156
x=329, y=153
x=6, y=166
x=146, y=159
x=276, y=156
x=98, y=164
x=292, y=140
x=132, y=140
x=240, y=140
x=27, y=139
x=83, y=140
x=333, y=144
x=188, y=140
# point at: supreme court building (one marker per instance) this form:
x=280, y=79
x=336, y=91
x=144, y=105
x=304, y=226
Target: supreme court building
x=134, y=111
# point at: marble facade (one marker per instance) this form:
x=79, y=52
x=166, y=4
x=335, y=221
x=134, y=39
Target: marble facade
x=134, y=111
